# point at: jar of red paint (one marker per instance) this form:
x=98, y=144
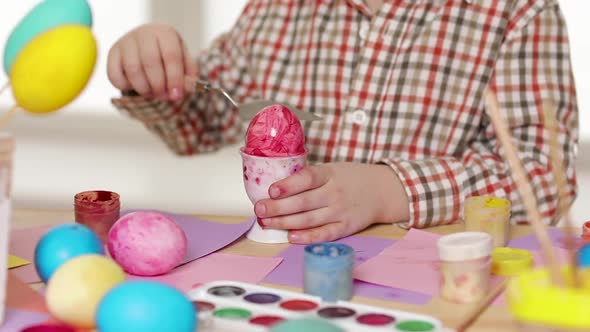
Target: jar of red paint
x=98, y=210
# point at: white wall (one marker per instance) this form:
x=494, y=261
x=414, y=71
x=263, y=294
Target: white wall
x=88, y=145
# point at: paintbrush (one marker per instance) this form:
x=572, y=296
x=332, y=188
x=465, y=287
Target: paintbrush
x=482, y=306
x=558, y=170
x=523, y=186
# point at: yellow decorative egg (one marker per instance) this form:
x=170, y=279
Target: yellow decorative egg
x=76, y=288
x=53, y=68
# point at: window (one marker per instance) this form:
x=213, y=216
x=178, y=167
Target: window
x=575, y=12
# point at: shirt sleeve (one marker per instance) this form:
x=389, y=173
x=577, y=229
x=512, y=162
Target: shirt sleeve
x=205, y=121
x=534, y=64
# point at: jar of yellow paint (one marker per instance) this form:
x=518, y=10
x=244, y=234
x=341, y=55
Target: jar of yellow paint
x=488, y=214
x=538, y=305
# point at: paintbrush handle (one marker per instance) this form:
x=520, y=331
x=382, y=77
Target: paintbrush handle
x=523, y=185
x=482, y=306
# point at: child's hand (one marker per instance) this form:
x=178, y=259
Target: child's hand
x=152, y=60
x=327, y=202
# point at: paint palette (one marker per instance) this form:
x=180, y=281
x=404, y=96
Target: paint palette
x=236, y=306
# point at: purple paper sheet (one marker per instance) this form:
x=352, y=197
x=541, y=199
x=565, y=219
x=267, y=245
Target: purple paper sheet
x=16, y=320
x=205, y=237
x=530, y=242
x=290, y=271
x=379, y=292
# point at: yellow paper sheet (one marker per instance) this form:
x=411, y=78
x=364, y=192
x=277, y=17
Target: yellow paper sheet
x=15, y=261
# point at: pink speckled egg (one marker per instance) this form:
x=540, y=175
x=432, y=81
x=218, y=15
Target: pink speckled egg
x=147, y=243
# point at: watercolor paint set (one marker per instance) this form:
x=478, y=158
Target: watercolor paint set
x=236, y=306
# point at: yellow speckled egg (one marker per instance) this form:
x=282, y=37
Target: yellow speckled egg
x=76, y=288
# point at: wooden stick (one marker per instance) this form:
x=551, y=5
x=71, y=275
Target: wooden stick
x=4, y=119
x=563, y=197
x=4, y=87
x=482, y=306
x=523, y=186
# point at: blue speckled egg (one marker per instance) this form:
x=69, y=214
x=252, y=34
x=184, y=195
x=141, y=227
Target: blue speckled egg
x=62, y=243
x=145, y=306
x=46, y=15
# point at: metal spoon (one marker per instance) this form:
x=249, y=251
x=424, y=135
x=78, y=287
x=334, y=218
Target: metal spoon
x=250, y=109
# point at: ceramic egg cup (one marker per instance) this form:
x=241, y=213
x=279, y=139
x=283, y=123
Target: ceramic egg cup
x=258, y=174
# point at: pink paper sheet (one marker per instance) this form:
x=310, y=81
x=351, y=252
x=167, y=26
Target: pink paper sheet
x=410, y=263
x=22, y=244
x=217, y=266
x=204, y=237
x=17, y=320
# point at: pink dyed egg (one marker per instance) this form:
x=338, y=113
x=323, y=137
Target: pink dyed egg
x=147, y=243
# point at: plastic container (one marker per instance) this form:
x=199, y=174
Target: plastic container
x=490, y=215
x=539, y=305
x=465, y=266
x=511, y=261
x=328, y=271
x=258, y=174
x=6, y=156
x=586, y=232
x=98, y=210
x=583, y=256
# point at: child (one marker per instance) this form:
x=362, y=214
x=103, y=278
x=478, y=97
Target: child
x=399, y=84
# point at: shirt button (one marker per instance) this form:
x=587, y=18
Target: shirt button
x=364, y=30
x=359, y=117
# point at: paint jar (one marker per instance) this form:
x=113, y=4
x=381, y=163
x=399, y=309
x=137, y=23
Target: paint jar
x=537, y=304
x=465, y=266
x=509, y=262
x=583, y=256
x=98, y=210
x=328, y=271
x=490, y=215
x=586, y=232
x=6, y=156
x=259, y=173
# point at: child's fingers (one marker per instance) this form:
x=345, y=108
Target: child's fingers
x=305, y=201
x=152, y=64
x=173, y=58
x=307, y=179
x=324, y=233
x=115, y=69
x=190, y=65
x=304, y=220
x=133, y=68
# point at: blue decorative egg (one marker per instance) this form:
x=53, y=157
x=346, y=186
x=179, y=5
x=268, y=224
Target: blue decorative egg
x=145, y=306
x=46, y=15
x=62, y=243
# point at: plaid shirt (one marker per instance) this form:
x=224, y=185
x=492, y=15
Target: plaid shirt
x=401, y=86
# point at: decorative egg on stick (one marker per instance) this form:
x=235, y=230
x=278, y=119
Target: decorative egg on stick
x=50, y=56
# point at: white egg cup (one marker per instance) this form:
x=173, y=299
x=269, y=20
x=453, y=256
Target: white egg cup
x=258, y=174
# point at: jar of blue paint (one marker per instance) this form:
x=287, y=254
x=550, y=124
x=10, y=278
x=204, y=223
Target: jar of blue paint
x=328, y=271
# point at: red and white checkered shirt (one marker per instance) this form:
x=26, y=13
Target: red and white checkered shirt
x=402, y=86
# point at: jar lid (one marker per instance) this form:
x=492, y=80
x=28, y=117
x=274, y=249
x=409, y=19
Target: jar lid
x=465, y=246
x=511, y=261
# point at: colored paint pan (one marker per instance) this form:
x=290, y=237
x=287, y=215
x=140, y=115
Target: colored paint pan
x=239, y=306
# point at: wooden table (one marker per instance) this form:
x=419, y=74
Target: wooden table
x=493, y=320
